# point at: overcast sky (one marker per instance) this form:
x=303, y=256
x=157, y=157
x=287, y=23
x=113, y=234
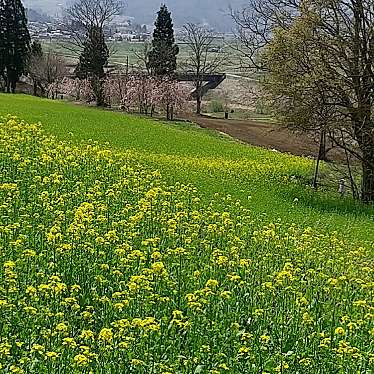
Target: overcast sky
x=212, y=12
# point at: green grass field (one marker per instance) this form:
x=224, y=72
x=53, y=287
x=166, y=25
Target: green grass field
x=270, y=184
x=129, y=245
x=120, y=51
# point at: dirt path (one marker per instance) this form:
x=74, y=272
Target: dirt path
x=261, y=134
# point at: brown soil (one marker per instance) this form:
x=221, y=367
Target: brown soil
x=265, y=135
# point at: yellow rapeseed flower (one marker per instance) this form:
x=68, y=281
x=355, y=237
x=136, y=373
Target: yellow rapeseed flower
x=106, y=336
x=51, y=355
x=81, y=360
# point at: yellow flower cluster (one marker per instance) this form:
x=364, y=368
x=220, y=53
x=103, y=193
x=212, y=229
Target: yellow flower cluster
x=105, y=268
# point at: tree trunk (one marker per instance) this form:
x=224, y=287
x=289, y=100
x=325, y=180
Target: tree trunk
x=13, y=86
x=363, y=127
x=198, y=104
x=42, y=90
x=322, y=146
x=98, y=89
x=368, y=178
x=35, y=90
x=3, y=86
x=321, y=154
x=171, y=113
x=7, y=85
x=12, y=79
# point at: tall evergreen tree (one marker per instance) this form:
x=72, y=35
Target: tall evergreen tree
x=2, y=39
x=14, y=42
x=93, y=60
x=163, y=55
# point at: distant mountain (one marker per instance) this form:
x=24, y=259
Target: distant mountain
x=34, y=16
x=50, y=7
x=212, y=12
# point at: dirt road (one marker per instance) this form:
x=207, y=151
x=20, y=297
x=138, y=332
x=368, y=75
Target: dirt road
x=261, y=134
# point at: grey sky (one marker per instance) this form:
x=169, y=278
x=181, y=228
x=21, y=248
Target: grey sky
x=213, y=12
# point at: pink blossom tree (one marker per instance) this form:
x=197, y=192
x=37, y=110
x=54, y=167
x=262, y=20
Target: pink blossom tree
x=172, y=97
x=140, y=93
x=79, y=89
x=116, y=91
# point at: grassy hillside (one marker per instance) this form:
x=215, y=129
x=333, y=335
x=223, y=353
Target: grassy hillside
x=106, y=269
x=269, y=184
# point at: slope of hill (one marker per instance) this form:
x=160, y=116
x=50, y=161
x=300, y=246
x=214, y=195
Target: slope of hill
x=266, y=182
x=34, y=16
x=107, y=267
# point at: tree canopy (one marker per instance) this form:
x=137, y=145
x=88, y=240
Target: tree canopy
x=317, y=63
x=14, y=42
x=163, y=55
x=93, y=60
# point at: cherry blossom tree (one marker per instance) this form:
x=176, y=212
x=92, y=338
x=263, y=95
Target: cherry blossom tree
x=172, y=97
x=141, y=93
x=145, y=94
x=79, y=89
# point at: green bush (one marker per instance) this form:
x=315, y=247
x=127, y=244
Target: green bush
x=216, y=106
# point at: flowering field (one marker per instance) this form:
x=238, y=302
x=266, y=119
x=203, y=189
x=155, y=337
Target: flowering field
x=105, y=268
x=212, y=163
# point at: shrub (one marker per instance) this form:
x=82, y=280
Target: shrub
x=216, y=106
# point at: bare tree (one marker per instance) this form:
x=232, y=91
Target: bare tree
x=87, y=20
x=84, y=15
x=256, y=23
x=319, y=56
x=45, y=70
x=203, y=59
x=142, y=57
